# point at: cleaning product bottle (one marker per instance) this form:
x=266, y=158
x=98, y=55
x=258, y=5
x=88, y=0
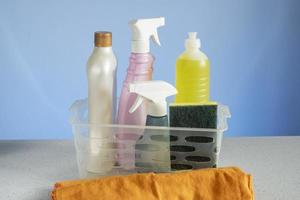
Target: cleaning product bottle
x=101, y=74
x=192, y=73
x=153, y=155
x=140, y=69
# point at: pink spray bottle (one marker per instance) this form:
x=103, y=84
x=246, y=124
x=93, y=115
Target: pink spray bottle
x=140, y=69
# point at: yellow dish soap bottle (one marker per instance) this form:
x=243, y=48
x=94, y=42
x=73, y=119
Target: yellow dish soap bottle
x=192, y=73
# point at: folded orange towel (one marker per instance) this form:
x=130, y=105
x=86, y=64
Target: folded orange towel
x=207, y=184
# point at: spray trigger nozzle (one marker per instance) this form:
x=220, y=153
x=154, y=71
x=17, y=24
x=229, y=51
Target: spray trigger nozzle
x=155, y=38
x=142, y=31
x=155, y=92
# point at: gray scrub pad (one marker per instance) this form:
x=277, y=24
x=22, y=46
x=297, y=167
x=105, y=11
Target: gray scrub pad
x=193, y=115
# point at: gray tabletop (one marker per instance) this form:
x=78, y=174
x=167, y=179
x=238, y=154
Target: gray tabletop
x=28, y=169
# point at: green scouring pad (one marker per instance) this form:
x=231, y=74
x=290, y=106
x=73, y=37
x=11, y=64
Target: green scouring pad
x=194, y=115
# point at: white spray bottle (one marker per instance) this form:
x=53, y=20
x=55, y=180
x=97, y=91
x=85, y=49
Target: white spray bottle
x=154, y=93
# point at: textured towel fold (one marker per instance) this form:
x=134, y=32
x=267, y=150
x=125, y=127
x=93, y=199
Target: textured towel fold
x=207, y=184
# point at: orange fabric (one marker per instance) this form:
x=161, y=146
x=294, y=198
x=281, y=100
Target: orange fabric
x=207, y=184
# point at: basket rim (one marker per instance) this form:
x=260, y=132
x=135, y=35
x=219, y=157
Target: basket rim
x=221, y=130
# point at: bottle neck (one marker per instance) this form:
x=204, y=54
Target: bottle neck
x=192, y=49
x=157, y=109
x=102, y=49
x=141, y=60
x=140, y=46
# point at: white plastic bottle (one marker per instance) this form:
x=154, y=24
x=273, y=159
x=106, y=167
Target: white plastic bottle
x=101, y=75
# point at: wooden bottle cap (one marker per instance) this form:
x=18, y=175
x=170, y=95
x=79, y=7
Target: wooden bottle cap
x=103, y=39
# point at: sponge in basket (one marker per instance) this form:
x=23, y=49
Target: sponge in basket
x=194, y=115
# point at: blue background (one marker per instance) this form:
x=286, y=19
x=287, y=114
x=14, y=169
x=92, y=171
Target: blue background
x=253, y=47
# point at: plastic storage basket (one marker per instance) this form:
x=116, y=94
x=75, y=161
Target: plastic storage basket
x=160, y=149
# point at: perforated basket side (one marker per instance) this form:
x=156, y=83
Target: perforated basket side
x=195, y=149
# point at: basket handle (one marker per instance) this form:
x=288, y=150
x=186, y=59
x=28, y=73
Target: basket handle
x=77, y=111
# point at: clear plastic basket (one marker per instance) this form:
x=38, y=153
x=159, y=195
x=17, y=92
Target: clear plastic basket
x=160, y=149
